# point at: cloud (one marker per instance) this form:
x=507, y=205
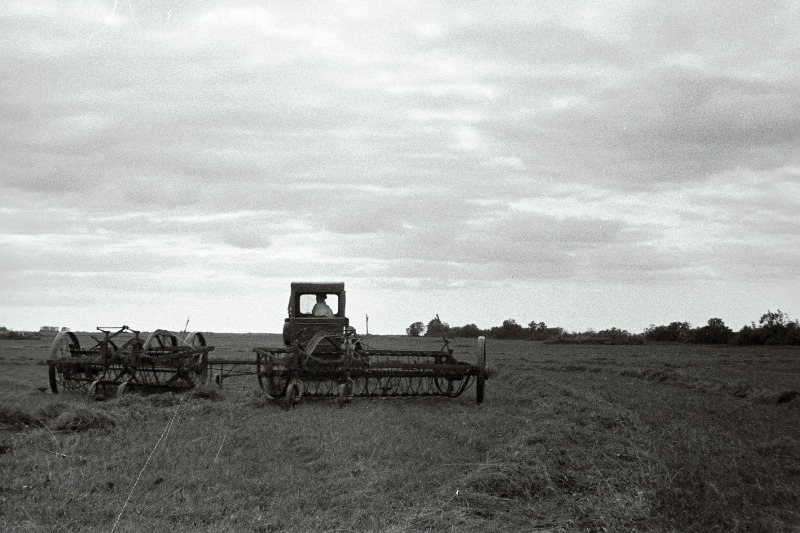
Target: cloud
x=425, y=146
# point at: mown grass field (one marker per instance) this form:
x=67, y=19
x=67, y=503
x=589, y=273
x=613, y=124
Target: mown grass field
x=570, y=438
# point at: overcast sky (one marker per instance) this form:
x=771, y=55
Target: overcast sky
x=583, y=164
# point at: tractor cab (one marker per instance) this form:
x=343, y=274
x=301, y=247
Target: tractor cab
x=314, y=308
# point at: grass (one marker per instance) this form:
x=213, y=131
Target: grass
x=570, y=438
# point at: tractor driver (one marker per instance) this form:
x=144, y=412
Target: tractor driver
x=321, y=308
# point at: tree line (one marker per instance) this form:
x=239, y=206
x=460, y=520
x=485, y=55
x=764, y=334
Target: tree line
x=773, y=328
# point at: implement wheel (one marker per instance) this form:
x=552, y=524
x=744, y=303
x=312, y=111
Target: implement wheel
x=195, y=340
x=64, y=344
x=272, y=378
x=445, y=385
x=68, y=376
x=480, y=380
x=54, y=377
x=199, y=364
x=122, y=388
x=161, y=341
x=292, y=394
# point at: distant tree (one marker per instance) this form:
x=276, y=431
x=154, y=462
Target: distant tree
x=416, y=329
x=618, y=336
x=605, y=336
x=468, y=331
x=718, y=332
x=674, y=332
x=776, y=328
x=537, y=326
x=538, y=331
x=776, y=319
x=510, y=330
x=436, y=328
x=749, y=335
x=715, y=332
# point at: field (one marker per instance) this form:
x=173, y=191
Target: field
x=570, y=438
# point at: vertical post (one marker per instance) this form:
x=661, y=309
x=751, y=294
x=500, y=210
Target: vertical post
x=104, y=349
x=480, y=379
x=367, y=333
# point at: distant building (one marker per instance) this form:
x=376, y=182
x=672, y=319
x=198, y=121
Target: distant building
x=48, y=329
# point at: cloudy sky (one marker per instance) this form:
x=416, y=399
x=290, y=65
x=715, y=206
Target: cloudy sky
x=585, y=164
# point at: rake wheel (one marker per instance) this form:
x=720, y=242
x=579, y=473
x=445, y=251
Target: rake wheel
x=195, y=340
x=56, y=378
x=199, y=364
x=64, y=345
x=159, y=343
x=68, y=375
x=161, y=340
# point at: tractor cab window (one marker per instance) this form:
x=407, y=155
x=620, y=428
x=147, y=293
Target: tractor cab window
x=308, y=301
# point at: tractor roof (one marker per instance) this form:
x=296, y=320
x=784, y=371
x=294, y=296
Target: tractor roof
x=316, y=286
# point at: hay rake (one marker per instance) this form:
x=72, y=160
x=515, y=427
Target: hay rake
x=123, y=360
x=342, y=366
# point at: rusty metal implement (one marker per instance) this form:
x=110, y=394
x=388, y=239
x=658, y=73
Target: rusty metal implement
x=121, y=359
x=341, y=366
